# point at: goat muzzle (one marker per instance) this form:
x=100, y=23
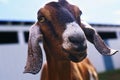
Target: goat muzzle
x=74, y=42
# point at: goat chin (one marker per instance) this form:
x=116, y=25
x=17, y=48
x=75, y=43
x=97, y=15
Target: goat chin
x=75, y=56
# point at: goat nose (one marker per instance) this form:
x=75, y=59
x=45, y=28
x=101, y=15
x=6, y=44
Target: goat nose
x=79, y=42
x=76, y=40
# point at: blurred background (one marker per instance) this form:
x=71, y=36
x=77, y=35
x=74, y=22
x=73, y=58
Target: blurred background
x=16, y=16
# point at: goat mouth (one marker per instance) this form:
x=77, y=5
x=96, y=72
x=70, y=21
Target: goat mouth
x=76, y=56
x=74, y=51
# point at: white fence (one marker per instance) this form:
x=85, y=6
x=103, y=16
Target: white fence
x=13, y=50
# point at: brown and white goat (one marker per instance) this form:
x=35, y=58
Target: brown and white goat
x=64, y=37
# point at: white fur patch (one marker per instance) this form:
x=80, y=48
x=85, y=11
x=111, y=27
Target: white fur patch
x=86, y=25
x=112, y=51
x=34, y=34
x=72, y=29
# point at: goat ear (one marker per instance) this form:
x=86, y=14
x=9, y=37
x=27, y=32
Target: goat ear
x=101, y=46
x=34, y=58
x=94, y=38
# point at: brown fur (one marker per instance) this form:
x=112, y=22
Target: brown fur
x=78, y=71
x=62, y=64
x=58, y=66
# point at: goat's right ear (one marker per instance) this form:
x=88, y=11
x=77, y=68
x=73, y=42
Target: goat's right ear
x=34, y=58
x=94, y=38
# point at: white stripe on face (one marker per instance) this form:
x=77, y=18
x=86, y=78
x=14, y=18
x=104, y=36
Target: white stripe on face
x=72, y=29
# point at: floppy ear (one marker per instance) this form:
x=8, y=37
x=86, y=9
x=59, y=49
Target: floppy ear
x=34, y=58
x=94, y=38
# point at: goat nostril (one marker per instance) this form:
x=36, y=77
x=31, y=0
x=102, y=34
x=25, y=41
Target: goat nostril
x=74, y=40
x=79, y=43
x=81, y=48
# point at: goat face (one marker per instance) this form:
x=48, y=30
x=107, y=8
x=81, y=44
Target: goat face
x=58, y=24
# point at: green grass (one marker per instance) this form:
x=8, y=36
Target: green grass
x=110, y=75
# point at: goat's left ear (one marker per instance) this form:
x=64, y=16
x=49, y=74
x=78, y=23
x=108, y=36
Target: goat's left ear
x=35, y=58
x=94, y=38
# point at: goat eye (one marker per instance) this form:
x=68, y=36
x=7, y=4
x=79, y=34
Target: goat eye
x=41, y=19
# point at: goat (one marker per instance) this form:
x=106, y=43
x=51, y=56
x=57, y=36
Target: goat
x=64, y=37
x=79, y=71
